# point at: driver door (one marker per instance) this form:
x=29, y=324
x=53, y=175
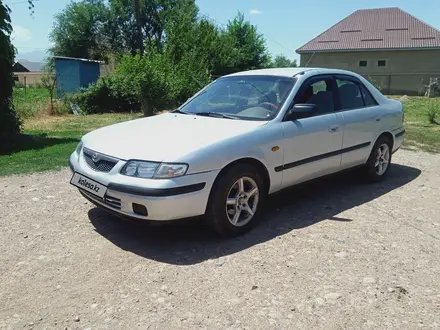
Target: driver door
x=312, y=146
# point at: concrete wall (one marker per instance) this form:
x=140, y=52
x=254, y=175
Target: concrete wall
x=406, y=71
x=29, y=78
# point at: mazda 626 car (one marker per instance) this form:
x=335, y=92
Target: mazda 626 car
x=239, y=139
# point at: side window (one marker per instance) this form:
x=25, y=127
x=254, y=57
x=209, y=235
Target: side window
x=368, y=99
x=349, y=95
x=318, y=92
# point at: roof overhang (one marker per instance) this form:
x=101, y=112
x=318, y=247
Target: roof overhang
x=363, y=50
x=76, y=59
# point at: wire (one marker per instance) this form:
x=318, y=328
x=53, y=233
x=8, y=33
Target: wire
x=36, y=48
x=16, y=3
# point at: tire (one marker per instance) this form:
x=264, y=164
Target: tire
x=373, y=171
x=221, y=216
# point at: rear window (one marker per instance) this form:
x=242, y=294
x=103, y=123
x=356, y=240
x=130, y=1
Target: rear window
x=349, y=95
x=368, y=98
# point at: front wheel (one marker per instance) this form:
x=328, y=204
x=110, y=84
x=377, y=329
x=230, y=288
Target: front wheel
x=236, y=200
x=379, y=161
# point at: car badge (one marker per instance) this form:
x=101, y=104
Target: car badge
x=95, y=157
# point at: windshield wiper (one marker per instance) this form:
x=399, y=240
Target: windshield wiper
x=215, y=114
x=180, y=111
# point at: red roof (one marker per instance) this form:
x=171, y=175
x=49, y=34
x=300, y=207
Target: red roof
x=374, y=29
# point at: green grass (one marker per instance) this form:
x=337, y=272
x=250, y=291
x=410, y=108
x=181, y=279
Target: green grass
x=29, y=101
x=420, y=133
x=53, y=139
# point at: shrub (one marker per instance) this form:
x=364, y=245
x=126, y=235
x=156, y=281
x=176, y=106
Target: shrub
x=159, y=82
x=432, y=113
x=151, y=83
x=106, y=95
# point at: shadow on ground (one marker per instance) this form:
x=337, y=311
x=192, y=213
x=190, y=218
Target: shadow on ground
x=32, y=142
x=190, y=242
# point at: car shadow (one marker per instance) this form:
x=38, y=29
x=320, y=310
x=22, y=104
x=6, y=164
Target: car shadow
x=190, y=242
x=25, y=142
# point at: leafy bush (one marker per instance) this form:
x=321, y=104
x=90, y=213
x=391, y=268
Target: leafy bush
x=160, y=83
x=109, y=94
x=432, y=113
x=151, y=83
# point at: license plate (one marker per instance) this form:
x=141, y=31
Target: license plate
x=88, y=185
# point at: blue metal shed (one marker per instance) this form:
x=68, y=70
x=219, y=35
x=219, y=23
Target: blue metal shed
x=73, y=73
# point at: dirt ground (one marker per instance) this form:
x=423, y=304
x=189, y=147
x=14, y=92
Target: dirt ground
x=332, y=254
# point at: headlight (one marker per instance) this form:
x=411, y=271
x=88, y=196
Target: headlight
x=79, y=147
x=153, y=170
x=170, y=171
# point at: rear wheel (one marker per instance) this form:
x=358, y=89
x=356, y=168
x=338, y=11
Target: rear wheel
x=236, y=200
x=379, y=161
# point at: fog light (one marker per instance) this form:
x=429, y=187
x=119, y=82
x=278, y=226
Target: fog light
x=140, y=209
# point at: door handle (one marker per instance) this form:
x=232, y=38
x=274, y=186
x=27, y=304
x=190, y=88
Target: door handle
x=333, y=129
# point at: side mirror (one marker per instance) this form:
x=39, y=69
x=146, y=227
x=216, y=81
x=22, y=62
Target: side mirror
x=302, y=110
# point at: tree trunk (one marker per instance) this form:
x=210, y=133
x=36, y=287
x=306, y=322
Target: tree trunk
x=140, y=39
x=146, y=107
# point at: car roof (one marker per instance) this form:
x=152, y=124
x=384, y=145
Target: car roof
x=284, y=72
x=305, y=73
x=290, y=72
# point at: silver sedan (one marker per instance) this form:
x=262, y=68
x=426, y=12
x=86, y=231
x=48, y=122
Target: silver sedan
x=240, y=138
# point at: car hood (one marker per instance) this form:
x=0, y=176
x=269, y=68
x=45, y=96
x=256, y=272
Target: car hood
x=166, y=137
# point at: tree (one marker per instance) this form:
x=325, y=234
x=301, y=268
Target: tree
x=249, y=46
x=9, y=121
x=281, y=61
x=80, y=30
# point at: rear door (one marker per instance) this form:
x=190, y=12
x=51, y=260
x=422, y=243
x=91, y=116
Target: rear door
x=361, y=118
x=312, y=145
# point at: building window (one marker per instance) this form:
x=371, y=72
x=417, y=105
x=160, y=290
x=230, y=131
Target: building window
x=363, y=63
x=382, y=63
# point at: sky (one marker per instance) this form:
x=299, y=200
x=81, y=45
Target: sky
x=286, y=24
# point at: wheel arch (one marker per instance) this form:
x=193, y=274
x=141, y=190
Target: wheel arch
x=388, y=135
x=261, y=168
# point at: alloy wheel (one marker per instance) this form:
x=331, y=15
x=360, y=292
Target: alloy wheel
x=242, y=201
x=382, y=159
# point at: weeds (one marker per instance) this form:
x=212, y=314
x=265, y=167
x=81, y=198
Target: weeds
x=432, y=113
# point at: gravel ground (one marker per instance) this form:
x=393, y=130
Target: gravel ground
x=331, y=254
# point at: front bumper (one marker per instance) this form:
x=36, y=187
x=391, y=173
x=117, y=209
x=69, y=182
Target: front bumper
x=169, y=199
x=398, y=138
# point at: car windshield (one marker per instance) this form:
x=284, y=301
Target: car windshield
x=241, y=97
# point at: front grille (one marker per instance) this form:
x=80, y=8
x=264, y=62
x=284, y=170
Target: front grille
x=102, y=164
x=113, y=202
